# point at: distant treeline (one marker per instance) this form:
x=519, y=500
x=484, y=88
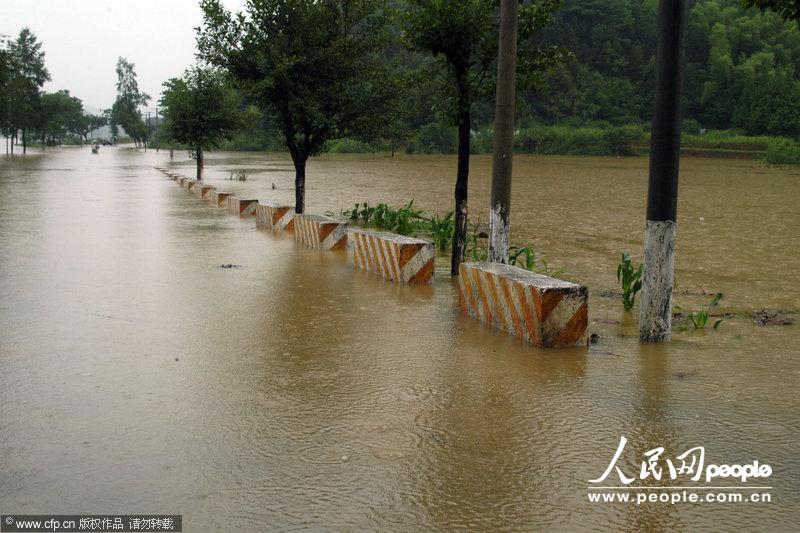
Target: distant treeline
x=742, y=79
x=742, y=66
x=29, y=114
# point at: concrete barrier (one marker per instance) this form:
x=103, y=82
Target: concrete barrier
x=395, y=257
x=240, y=206
x=173, y=177
x=219, y=198
x=323, y=233
x=542, y=310
x=201, y=190
x=273, y=216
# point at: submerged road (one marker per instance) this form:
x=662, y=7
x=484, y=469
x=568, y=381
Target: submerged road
x=293, y=392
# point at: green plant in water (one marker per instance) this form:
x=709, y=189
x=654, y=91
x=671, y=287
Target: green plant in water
x=631, y=280
x=525, y=257
x=407, y=220
x=474, y=249
x=441, y=230
x=379, y=215
x=366, y=213
x=699, y=319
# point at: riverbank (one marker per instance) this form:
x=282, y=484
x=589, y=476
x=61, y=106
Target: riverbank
x=589, y=140
x=597, y=140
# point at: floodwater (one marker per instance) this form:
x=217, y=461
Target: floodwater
x=294, y=393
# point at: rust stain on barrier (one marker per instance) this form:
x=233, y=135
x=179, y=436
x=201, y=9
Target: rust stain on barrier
x=542, y=310
x=240, y=206
x=398, y=258
x=202, y=190
x=219, y=197
x=273, y=216
x=323, y=233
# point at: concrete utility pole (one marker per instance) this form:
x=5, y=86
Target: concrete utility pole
x=158, y=141
x=655, y=316
x=500, y=205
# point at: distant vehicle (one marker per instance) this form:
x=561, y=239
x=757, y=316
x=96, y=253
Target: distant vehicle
x=95, y=148
x=106, y=142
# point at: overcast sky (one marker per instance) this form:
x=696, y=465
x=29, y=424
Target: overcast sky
x=82, y=40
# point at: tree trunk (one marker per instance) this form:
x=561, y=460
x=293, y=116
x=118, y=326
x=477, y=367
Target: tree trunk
x=299, y=159
x=24, y=141
x=462, y=176
x=199, y=158
x=500, y=205
x=300, y=183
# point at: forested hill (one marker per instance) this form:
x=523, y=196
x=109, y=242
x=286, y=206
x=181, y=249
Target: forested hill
x=742, y=66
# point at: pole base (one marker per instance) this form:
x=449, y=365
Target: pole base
x=655, y=314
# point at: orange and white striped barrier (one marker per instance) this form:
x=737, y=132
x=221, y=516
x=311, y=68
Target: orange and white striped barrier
x=181, y=181
x=542, y=310
x=190, y=185
x=273, y=216
x=219, y=198
x=173, y=177
x=323, y=233
x=201, y=190
x=395, y=257
x=241, y=206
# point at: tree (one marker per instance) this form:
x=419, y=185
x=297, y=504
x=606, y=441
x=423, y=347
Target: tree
x=317, y=66
x=787, y=9
x=88, y=123
x=5, y=75
x=463, y=35
x=200, y=111
x=58, y=114
x=125, y=111
x=28, y=74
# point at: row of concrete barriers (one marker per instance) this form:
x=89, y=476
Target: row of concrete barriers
x=542, y=310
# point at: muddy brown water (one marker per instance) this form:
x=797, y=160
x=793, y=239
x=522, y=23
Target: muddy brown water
x=137, y=376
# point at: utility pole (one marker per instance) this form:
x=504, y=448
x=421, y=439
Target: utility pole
x=158, y=141
x=500, y=205
x=655, y=315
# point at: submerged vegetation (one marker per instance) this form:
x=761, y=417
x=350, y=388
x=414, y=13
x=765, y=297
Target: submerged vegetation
x=699, y=319
x=405, y=220
x=631, y=280
x=408, y=220
x=782, y=152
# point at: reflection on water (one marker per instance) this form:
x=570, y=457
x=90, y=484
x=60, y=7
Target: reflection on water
x=138, y=376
